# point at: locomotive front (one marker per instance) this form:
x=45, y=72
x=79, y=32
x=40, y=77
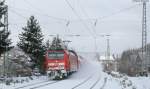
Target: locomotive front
x=56, y=64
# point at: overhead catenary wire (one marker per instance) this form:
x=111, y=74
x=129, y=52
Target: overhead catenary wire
x=93, y=28
x=86, y=14
x=45, y=14
x=18, y=10
x=111, y=14
x=15, y=12
x=84, y=24
x=20, y=15
x=104, y=17
x=118, y=12
x=82, y=20
x=65, y=20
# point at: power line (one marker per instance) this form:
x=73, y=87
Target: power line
x=24, y=10
x=15, y=12
x=118, y=12
x=93, y=28
x=39, y=10
x=112, y=14
x=62, y=19
x=84, y=24
x=86, y=14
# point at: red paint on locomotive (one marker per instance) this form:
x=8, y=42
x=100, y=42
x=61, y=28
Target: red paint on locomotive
x=60, y=63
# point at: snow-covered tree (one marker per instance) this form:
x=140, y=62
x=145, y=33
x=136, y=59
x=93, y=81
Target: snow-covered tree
x=18, y=63
x=57, y=43
x=47, y=45
x=5, y=42
x=31, y=41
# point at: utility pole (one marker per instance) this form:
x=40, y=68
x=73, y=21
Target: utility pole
x=108, y=52
x=4, y=25
x=144, y=33
x=144, y=29
x=108, y=47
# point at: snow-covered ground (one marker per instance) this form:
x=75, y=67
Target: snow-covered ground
x=90, y=76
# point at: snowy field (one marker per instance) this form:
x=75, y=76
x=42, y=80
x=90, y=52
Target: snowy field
x=90, y=76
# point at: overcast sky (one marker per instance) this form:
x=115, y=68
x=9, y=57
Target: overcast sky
x=119, y=18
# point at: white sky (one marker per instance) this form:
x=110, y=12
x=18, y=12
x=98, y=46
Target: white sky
x=119, y=18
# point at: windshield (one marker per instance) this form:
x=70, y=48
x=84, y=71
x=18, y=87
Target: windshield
x=55, y=55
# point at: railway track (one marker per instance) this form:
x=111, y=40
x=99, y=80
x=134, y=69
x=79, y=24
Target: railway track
x=105, y=81
x=82, y=82
x=79, y=85
x=43, y=85
x=95, y=83
x=38, y=85
x=31, y=84
x=86, y=80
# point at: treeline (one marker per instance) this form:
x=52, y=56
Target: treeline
x=131, y=61
x=30, y=41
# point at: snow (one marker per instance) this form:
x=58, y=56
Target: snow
x=90, y=70
x=141, y=82
x=24, y=83
x=104, y=58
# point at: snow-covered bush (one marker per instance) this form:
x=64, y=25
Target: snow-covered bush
x=20, y=64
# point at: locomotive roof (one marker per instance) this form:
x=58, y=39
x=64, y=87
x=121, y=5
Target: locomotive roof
x=72, y=51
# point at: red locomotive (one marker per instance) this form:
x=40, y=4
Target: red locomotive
x=60, y=63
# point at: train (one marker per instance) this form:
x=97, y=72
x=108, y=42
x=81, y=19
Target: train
x=59, y=64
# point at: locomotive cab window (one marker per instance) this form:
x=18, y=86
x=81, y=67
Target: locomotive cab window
x=55, y=55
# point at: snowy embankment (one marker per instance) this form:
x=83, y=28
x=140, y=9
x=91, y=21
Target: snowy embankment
x=23, y=81
x=89, y=76
x=141, y=82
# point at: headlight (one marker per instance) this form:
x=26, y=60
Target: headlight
x=51, y=64
x=61, y=66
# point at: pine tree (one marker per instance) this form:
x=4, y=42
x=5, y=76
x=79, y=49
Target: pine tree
x=47, y=45
x=31, y=41
x=57, y=44
x=4, y=41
